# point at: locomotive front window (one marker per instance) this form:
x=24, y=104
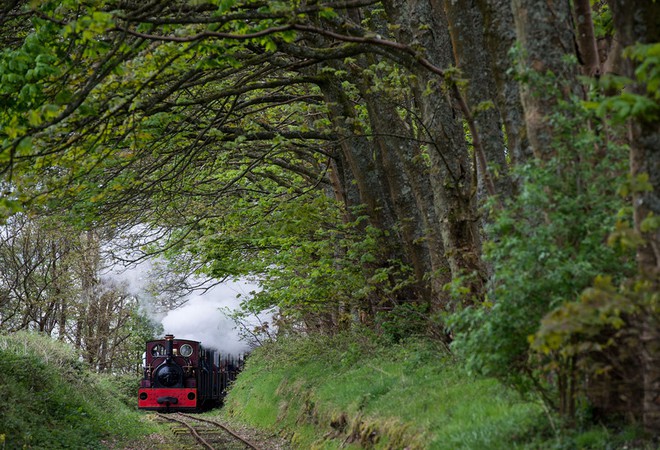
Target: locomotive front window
x=158, y=350
x=186, y=350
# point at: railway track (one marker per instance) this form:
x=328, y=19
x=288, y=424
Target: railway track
x=208, y=434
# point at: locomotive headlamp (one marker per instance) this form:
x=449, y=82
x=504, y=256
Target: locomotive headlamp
x=186, y=350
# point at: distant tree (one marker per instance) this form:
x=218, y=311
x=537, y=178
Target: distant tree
x=32, y=260
x=51, y=282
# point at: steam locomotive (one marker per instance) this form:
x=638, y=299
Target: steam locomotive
x=183, y=375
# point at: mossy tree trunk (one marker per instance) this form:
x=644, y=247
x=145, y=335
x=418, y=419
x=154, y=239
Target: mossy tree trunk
x=545, y=34
x=472, y=56
x=638, y=21
x=453, y=170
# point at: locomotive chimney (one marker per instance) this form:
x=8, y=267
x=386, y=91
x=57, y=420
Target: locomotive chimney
x=170, y=345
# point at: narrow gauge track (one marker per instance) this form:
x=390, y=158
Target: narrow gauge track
x=209, y=434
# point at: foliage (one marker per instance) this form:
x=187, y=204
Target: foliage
x=310, y=264
x=53, y=401
x=200, y=121
x=123, y=386
x=598, y=337
x=324, y=151
x=599, y=307
x=546, y=247
x=602, y=18
x=628, y=103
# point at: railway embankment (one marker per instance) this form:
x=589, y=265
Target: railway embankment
x=51, y=400
x=350, y=392
x=355, y=392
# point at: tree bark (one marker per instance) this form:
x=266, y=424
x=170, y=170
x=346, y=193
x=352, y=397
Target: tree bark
x=453, y=179
x=545, y=34
x=357, y=156
x=471, y=55
x=586, y=38
x=638, y=21
x=499, y=39
x=393, y=148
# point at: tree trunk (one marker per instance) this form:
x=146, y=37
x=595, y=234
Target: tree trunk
x=453, y=177
x=586, y=39
x=545, y=33
x=638, y=21
x=466, y=29
x=399, y=146
x=357, y=156
x=395, y=147
x=499, y=40
x=359, y=167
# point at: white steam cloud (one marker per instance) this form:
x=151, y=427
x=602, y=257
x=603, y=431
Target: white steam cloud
x=202, y=316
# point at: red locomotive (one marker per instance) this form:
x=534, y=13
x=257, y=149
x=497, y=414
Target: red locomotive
x=183, y=375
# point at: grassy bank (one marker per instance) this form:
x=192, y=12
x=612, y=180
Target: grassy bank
x=348, y=392
x=321, y=393
x=50, y=400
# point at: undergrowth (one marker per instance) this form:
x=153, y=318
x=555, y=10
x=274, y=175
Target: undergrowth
x=351, y=392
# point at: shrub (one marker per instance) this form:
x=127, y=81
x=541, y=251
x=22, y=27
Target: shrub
x=546, y=247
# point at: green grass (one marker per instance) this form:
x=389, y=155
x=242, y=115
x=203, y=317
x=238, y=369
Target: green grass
x=326, y=393
x=51, y=400
x=350, y=392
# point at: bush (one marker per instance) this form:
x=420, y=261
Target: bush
x=124, y=387
x=546, y=247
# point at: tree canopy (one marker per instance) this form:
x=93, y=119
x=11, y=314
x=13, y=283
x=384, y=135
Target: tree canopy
x=478, y=172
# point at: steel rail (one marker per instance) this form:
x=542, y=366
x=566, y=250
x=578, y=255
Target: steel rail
x=196, y=435
x=224, y=427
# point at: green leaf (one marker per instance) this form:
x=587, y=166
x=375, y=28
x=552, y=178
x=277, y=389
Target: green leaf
x=34, y=118
x=328, y=13
x=650, y=223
